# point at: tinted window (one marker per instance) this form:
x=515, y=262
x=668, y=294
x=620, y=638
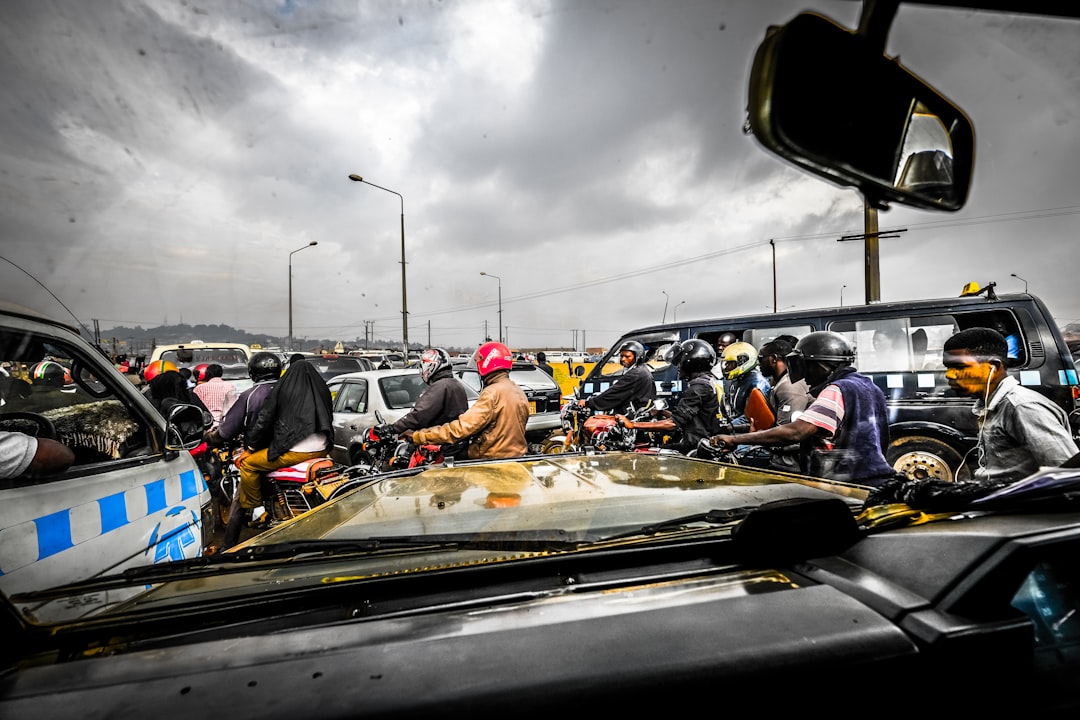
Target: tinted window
x=1049, y=598
x=534, y=378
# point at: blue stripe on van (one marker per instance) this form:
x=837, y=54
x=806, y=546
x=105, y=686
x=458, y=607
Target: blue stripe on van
x=191, y=484
x=113, y=512
x=155, y=497
x=54, y=533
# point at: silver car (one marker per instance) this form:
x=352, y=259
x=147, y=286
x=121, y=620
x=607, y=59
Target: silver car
x=359, y=395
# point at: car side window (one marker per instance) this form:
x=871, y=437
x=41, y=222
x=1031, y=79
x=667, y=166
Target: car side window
x=49, y=388
x=1049, y=598
x=351, y=397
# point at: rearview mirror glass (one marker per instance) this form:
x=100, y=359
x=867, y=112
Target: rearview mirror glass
x=821, y=97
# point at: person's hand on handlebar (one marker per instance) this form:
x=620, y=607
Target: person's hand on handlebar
x=723, y=442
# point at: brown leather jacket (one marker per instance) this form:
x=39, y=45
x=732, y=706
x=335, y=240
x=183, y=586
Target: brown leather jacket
x=495, y=422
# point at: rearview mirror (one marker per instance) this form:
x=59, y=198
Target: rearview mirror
x=823, y=98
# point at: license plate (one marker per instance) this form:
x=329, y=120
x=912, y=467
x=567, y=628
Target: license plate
x=532, y=407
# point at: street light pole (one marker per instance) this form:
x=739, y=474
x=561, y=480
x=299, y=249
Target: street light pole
x=487, y=274
x=404, y=301
x=666, y=298
x=1020, y=278
x=675, y=311
x=842, y=295
x=310, y=244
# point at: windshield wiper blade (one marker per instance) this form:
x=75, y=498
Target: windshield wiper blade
x=714, y=517
x=541, y=539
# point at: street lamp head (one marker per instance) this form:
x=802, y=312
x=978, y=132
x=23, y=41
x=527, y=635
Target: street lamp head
x=313, y=242
x=355, y=178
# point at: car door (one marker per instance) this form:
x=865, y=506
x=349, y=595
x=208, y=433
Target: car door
x=352, y=414
x=125, y=501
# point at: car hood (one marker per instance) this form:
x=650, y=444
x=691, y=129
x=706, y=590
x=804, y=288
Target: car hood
x=598, y=495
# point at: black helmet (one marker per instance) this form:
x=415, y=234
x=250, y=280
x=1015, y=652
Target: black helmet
x=48, y=372
x=692, y=356
x=264, y=366
x=635, y=347
x=822, y=346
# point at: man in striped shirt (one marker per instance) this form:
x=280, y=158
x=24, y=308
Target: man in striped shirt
x=844, y=432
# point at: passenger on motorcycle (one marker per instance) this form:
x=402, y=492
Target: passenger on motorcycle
x=633, y=390
x=294, y=425
x=495, y=424
x=442, y=401
x=741, y=376
x=695, y=415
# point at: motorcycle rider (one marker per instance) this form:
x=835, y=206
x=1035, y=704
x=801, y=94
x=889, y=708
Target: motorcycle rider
x=442, y=401
x=264, y=368
x=495, y=423
x=633, y=390
x=845, y=430
x=697, y=410
x=787, y=399
x=741, y=375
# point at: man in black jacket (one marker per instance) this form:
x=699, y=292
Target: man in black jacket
x=633, y=390
x=443, y=400
x=695, y=416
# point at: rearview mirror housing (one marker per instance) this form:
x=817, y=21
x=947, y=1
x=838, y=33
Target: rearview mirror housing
x=824, y=98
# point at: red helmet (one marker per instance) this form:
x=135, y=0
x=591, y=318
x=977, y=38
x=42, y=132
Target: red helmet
x=156, y=368
x=199, y=372
x=493, y=356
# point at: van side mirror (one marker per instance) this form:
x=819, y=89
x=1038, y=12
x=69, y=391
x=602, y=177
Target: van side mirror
x=184, y=426
x=824, y=98
x=579, y=371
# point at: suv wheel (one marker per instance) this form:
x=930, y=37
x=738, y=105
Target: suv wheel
x=919, y=457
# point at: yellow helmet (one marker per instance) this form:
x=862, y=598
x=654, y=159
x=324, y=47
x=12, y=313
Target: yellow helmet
x=738, y=359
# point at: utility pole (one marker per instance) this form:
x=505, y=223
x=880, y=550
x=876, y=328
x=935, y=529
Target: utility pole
x=870, y=237
x=773, y=244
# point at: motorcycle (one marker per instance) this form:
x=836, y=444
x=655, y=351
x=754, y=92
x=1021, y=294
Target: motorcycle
x=385, y=450
x=585, y=429
x=287, y=492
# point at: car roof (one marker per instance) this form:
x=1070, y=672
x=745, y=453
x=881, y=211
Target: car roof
x=374, y=374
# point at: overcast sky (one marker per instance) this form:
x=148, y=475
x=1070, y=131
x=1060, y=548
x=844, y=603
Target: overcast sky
x=160, y=160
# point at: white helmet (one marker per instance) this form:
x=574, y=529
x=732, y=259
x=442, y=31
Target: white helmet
x=432, y=361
